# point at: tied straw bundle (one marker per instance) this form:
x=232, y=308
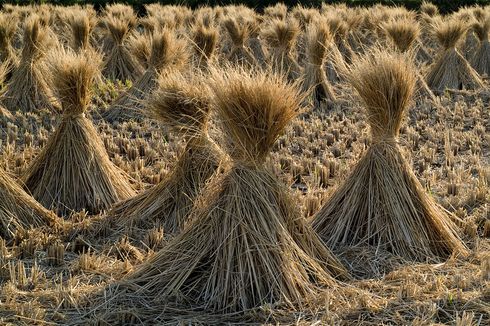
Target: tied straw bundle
x=73, y=171
x=382, y=203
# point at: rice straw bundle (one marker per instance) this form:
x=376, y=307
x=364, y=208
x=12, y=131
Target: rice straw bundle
x=280, y=37
x=73, y=171
x=204, y=41
x=340, y=31
x=120, y=64
x=404, y=33
x=278, y=11
x=247, y=245
x=139, y=45
x=182, y=103
x=382, y=203
x=167, y=53
x=318, y=39
x=18, y=210
x=481, y=58
x=238, y=32
x=81, y=25
x=254, y=42
x=8, y=57
x=28, y=89
x=429, y=9
x=451, y=70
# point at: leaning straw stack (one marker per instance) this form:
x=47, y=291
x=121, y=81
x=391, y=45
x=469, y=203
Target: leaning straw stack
x=28, y=90
x=247, y=245
x=167, y=53
x=73, y=171
x=481, y=58
x=181, y=103
x=18, y=210
x=316, y=85
x=451, y=70
x=281, y=36
x=382, y=203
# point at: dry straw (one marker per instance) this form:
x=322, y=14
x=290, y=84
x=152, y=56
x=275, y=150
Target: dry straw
x=81, y=25
x=18, y=210
x=429, y=9
x=204, y=42
x=318, y=41
x=481, y=58
x=247, y=245
x=451, y=70
x=28, y=89
x=404, y=34
x=120, y=64
x=167, y=53
x=382, y=203
x=181, y=103
x=281, y=37
x=239, y=34
x=73, y=171
x=8, y=56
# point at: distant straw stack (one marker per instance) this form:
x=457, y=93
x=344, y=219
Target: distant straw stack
x=382, y=203
x=8, y=56
x=18, y=210
x=481, y=58
x=451, y=70
x=73, y=171
x=238, y=31
x=120, y=64
x=316, y=85
x=281, y=37
x=181, y=103
x=28, y=89
x=204, y=42
x=167, y=53
x=247, y=245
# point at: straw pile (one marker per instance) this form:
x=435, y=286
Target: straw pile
x=246, y=245
x=73, y=171
x=318, y=40
x=81, y=25
x=28, y=89
x=280, y=36
x=18, y=210
x=120, y=64
x=382, y=203
x=182, y=103
x=481, y=58
x=451, y=70
x=167, y=53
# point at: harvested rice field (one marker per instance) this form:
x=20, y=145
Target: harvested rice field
x=220, y=165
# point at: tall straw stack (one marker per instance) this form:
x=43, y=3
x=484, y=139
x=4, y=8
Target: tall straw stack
x=73, y=171
x=451, y=70
x=120, y=64
x=281, y=36
x=382, y=203
x=81, y=25
x=481, y=58
x=18, y=210
x=318, y=41
x=28, y=88
x=182, y=103
x=167, y=53
x=238, y=31
x=247, y=245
